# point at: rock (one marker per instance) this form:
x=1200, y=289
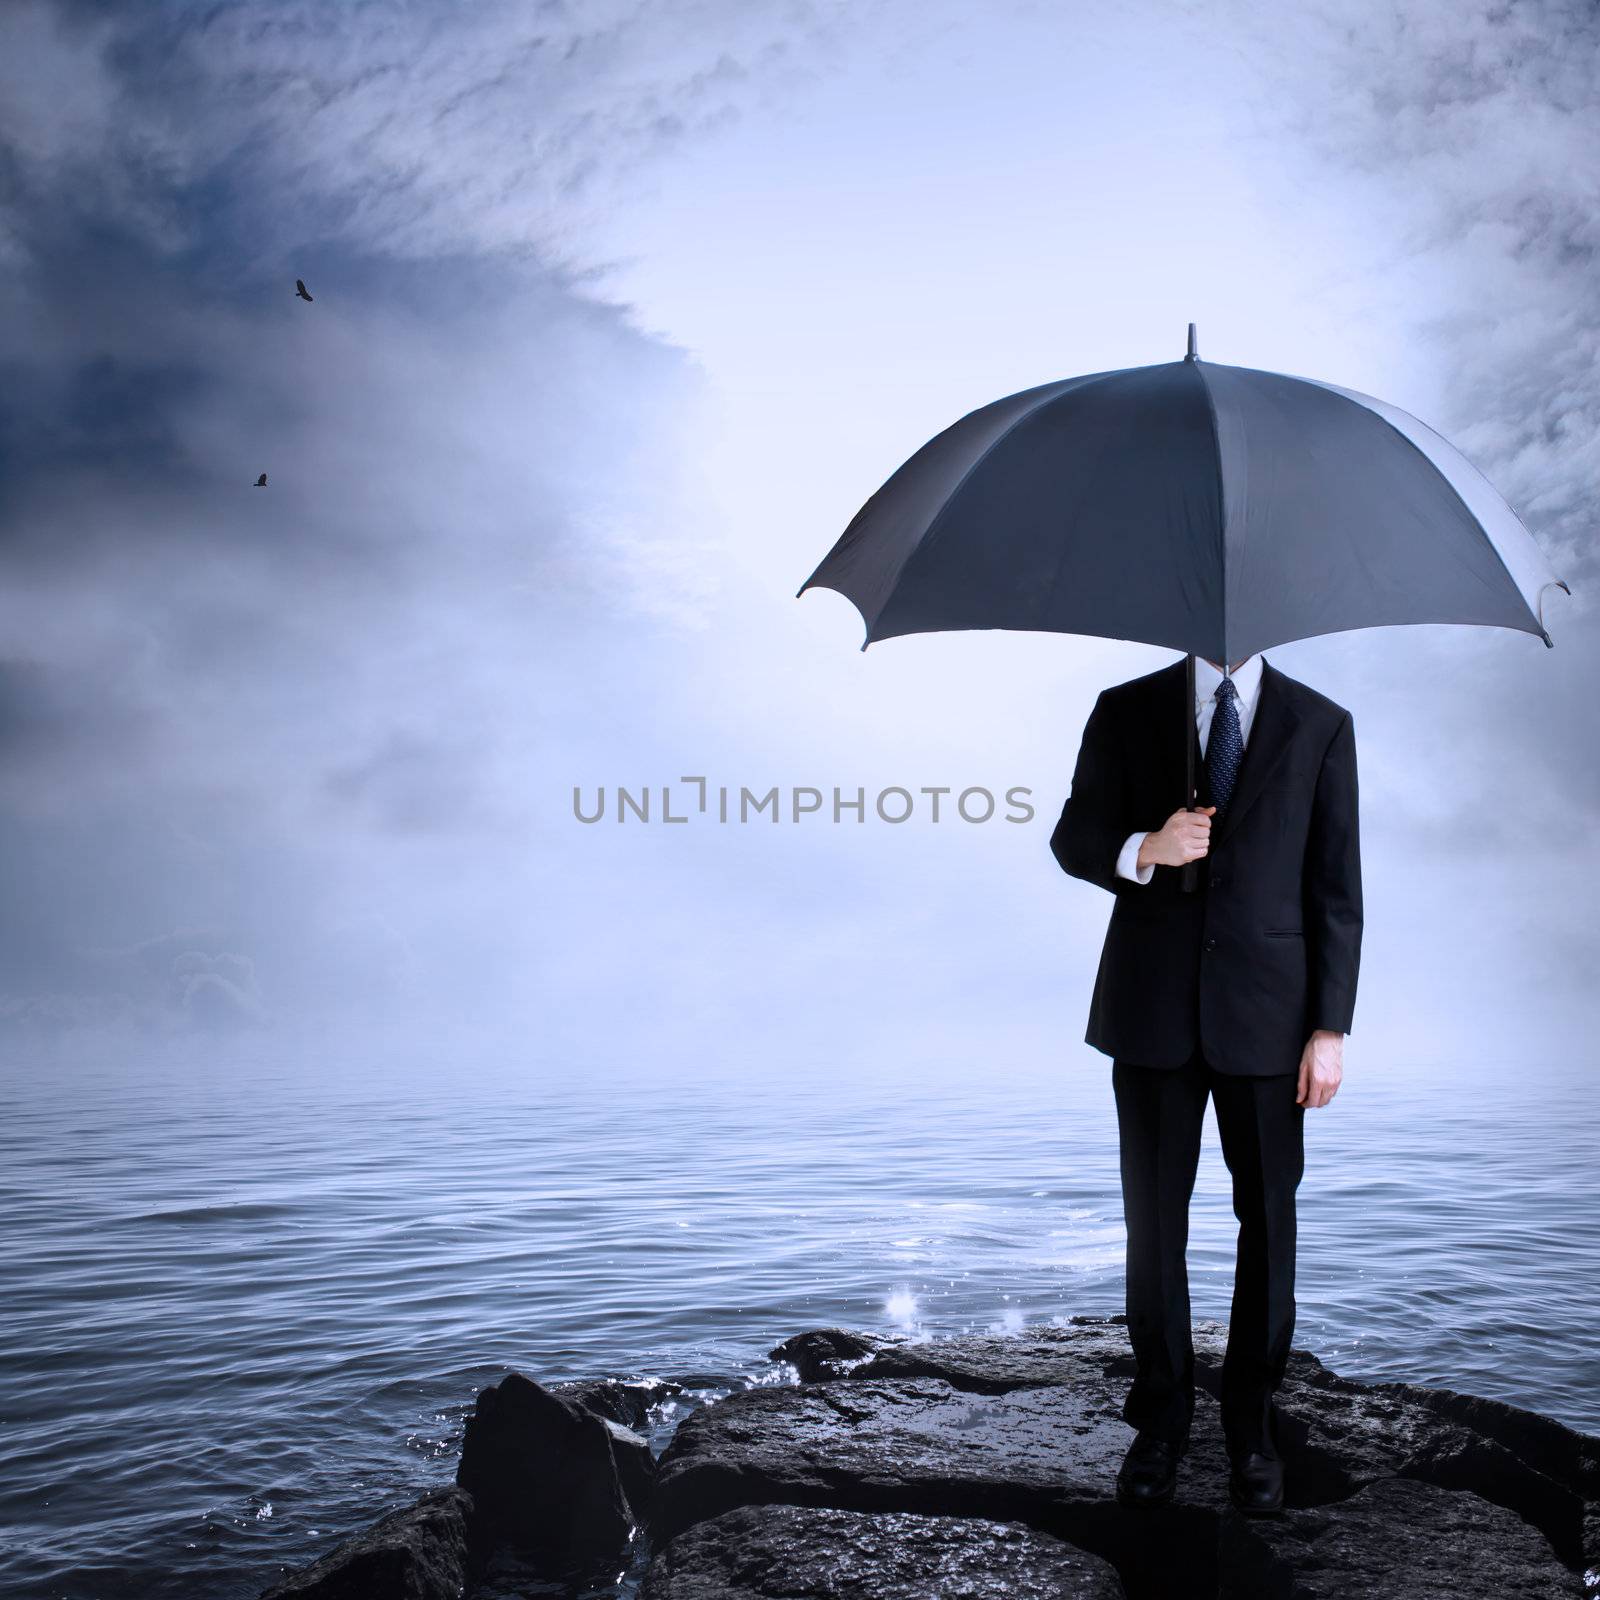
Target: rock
x=562, y=1483
x=425, y=1551
x=1545, y=1471
x=627, y=1403
x=1352, y=1434
x=981, y=1466
x=514, y=1575
x=829, y=1352
x=1045, y=1455
x=1340, y=1434
x=705, y=1380
x=1027, y=1429
x=1550, y=1447
x=781, y=1551
x=1091, y=1350
x=1396, y=1540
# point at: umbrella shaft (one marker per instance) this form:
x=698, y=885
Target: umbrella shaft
x=1190, y=871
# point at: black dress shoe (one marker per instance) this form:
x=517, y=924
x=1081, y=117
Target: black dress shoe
x=1149, y=1472
x=1255, y=1484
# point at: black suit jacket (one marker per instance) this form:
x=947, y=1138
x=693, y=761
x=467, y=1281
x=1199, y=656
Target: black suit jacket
x=1266, y=947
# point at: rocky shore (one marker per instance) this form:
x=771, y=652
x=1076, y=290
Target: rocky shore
x=979, y=1467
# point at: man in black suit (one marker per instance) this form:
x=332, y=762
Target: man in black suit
x=1242, y=989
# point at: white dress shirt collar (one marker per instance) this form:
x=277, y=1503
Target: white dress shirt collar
x=1247, y=680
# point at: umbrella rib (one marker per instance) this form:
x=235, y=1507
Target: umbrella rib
x=1222, y=501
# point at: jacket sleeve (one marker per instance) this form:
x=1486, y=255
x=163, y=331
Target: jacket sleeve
x=1093, y=826
x=1333, y=885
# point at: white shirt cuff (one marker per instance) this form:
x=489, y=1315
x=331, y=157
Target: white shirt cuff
x=1128, y=861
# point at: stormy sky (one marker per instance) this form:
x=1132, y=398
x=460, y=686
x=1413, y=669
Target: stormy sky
x=620, y=313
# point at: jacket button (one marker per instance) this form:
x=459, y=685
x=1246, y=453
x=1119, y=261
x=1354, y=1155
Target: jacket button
x=1211, y=944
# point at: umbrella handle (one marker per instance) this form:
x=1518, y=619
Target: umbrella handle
x=1191, y=871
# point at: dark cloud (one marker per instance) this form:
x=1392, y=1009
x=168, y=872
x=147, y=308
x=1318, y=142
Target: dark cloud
x=219, y=702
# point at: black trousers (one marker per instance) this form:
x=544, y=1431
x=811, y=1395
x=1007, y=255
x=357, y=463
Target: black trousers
x=1159, y=1116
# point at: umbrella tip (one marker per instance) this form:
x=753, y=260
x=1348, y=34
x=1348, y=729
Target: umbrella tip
x=1193, y=355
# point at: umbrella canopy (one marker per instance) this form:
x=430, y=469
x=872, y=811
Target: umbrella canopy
x=1213, y=509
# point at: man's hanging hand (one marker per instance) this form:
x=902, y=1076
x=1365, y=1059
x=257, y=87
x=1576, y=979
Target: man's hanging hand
x=1321, y=1068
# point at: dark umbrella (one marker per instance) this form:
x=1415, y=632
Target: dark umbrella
x=1215, y=510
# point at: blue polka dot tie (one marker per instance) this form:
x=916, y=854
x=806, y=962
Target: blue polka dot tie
x=1224, y=746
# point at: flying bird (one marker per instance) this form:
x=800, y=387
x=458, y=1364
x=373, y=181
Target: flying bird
x=300, y=289
x=260, y=482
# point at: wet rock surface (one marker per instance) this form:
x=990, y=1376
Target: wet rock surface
x=1397, y=1539
x=897, y=1467
x=423, y=1551
x=777, y=1552
x=1045, y=1456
